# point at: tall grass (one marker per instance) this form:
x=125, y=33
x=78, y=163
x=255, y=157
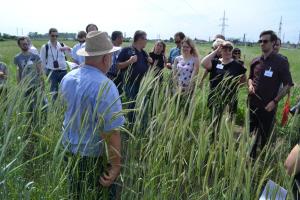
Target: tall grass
x=169, y=153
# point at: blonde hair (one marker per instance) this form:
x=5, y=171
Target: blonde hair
x=194, y=50
x=217, y=43
x=227, y=43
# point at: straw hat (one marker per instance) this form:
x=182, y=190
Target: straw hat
x=97, y=43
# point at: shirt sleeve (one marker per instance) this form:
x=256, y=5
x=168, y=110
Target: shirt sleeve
x=252, y=64
x=74, y=56
x=123, y=56
x=111, y=107
x=285, y=74
x=171, y=56
x=43, y=56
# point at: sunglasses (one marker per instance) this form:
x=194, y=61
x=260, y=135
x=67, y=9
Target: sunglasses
x=263, y=41
x=236, y=52
x=177, y=42
x=54, y=36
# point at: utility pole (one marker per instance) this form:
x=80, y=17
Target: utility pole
x=280, y=28
x=223, y=25
x=17, y=32
x=244, y=39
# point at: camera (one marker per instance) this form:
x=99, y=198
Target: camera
x=295, y=109
x=55, y=64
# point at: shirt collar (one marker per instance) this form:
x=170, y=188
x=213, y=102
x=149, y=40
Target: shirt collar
x=93, y=68
x=270, y=56
x=57, y=44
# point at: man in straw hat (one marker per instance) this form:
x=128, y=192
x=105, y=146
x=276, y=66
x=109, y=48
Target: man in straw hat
x=92, y=117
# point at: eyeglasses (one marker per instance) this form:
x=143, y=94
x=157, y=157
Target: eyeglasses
x=236, y=52
x=54, y=36
x=263, y=41
x=186, y=47
x=143, y=38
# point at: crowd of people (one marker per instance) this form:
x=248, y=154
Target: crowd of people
x=101, y=70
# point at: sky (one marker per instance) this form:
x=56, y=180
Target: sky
x=159, y=18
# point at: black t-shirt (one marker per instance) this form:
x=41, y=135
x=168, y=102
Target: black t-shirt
x=268, y=76
x=219, y=70
x=159, y=58
x=138, y=69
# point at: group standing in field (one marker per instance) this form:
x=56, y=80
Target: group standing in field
x=102, y=71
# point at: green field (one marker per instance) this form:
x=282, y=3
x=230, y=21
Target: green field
x=169, y=156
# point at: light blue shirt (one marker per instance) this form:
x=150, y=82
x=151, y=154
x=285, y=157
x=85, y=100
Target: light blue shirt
x=77, y=58
x=113, y=70
x=93, y=107
x=174, y=52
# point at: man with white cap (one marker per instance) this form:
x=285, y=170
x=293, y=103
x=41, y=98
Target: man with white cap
x=92, y=117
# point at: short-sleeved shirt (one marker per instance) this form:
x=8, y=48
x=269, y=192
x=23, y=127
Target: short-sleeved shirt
x=232, y=69
x=77, y=58
x=184, y=70
x=159, y=59
x=268, y=76
x=26, y=65
x=93, y=107
x=3, y=69
x=138, y=69
x=54, y=54
x=113, y=70
x=174, y=52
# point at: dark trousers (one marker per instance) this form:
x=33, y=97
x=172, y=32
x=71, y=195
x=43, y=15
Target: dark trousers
x=261, y=124
x=84, y=178
x=131, y=91
x=55, y=78
x=118, y=81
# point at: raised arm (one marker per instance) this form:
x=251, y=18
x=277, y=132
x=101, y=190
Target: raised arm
x=206, y=61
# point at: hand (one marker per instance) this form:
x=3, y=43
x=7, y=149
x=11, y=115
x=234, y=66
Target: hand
x=2, y=75
x=65, y=49
x=132, y=59
x=107, y=179
x=218, y=50
x=169, y=65
x=150, y=60
x=271, y=106
x=251, y=89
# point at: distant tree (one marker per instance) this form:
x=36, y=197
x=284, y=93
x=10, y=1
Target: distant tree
x=171, y=39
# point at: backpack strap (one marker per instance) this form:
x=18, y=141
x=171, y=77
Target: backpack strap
x=47, y=49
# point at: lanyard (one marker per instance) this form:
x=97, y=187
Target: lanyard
x=52, y=54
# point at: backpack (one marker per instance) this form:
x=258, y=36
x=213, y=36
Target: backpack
x=47, y=49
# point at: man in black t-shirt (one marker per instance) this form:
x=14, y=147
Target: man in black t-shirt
x=268, y=73
x=134, y=62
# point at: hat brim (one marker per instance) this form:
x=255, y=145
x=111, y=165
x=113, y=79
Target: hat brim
x=83, y=52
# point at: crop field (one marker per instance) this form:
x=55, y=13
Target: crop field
x=170, y=155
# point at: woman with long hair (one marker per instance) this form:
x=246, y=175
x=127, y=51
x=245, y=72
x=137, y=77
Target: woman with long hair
x=186, y=66
x=158, y=55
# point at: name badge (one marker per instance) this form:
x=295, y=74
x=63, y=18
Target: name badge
x=220, y=66
x=268, y=73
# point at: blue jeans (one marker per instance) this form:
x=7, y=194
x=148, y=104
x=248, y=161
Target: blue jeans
x=55, y=78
